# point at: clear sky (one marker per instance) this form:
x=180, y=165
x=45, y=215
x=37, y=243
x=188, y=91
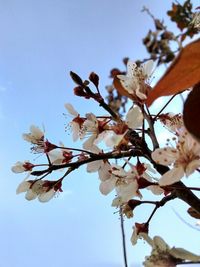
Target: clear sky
x=41, y=41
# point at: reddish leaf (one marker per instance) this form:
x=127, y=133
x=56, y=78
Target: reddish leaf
x=193, y=213
x=183, y=73
x=191, y=112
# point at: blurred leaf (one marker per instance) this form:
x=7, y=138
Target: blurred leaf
x=183, y=73
x=191, y=112
x=193, y=213
x=181, y=14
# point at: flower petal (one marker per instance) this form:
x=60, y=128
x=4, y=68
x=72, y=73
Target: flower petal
x=131, y=67
x=192, y=166
x=71, y=110
x=134, y=118
x=172, y=176
x=165, y=156
x=94, y=166
x=183, y=254
x=148, y=67
x=23, y=187
x=107, y=186
x=30, y=195
x=160, y=244
x=46, y=196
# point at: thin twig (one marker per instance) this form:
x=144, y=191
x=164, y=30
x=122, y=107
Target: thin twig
x=123, y=238
x=154, y=119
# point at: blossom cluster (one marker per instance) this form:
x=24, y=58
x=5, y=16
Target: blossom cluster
x=143, y=164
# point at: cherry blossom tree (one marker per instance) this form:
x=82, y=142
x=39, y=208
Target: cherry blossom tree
x=122, y=146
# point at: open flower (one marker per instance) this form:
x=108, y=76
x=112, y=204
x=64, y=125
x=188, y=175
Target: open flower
x=126, y=183
x=43, y=189
x=173, y=122
x=35, y=137
x=95, y=128
x=135, y=81
x=133, y=120
x=77, y=121
x=185, y=158
x=164, y=256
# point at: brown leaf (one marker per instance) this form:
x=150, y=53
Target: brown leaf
x=183, y=73
x=193, y=213
x=191, y=112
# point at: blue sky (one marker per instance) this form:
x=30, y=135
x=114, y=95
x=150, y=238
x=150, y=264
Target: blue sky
x=41, y=41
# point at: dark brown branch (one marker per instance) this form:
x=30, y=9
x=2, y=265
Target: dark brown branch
x=94, y=157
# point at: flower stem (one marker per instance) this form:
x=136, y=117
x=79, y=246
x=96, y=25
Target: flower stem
x=123, y=238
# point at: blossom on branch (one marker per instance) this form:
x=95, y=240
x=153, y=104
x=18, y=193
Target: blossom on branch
x=164, y=256
x=22, y=167
x=135, y=81
x=44, y=190
x=184, y=158
x=76, y=123
x=173, y=122
x=36, y=137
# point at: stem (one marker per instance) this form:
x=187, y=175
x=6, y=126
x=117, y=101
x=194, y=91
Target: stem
x=102, y=103
x=75, y=165
x=123, y=238
x=154, y=119
x=151, y=127
x=161, y=203
x=76, y=149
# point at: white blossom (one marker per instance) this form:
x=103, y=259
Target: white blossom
x=44, y=190
x=184, y=158
x=76, y=123
x=20, y=167
x=164, y=256
x=36, y=136
x=135, y=79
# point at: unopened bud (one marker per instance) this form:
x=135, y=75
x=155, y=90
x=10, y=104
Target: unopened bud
x=94, y=78
x=76, y=78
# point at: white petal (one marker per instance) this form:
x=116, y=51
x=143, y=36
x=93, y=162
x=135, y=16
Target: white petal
x=192, y=166
x=107, y=186
x=89, y=144
x=172, y=176
x=18, y=167
x=129, y=85
x=131, y=66
x=114, y=139
x=160, y=243
x=127, y=191
x=71, y=110
x=23, y=187
x=148, y=67
x=30, y=195
x=134, y=117
x=44, y=197
x=36, y=132
x=104, y=172
x=140, y=94
x=183, y=254
x=94, y=166
x=165, y=156
x=75, y=130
